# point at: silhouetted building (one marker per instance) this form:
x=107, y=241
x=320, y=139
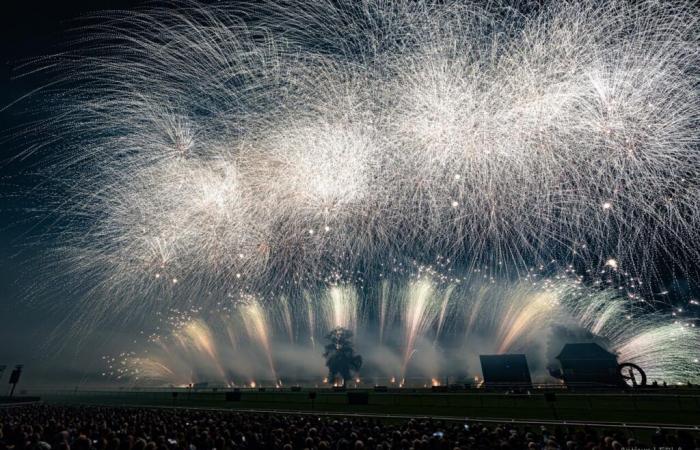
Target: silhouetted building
x=587, y=363
x=505, y=370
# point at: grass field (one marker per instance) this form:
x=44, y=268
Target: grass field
x=667, y=408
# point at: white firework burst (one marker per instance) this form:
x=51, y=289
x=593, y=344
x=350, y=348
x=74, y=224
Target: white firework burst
x=220, y=144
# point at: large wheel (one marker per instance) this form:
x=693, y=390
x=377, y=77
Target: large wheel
x=632, y=375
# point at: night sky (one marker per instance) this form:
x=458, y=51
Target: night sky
x=29, y=29
x=33, y=327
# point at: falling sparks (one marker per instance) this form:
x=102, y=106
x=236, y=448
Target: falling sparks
x=484, y=317
x=202, y=155
x=498, y=136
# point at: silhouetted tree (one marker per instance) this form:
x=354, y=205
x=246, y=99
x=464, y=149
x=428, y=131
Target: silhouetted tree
x=340, y=356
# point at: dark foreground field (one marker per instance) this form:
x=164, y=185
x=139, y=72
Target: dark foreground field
x=680, y=407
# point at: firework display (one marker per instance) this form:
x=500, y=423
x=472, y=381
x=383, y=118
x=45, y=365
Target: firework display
x=410, y=334
x=279, y=163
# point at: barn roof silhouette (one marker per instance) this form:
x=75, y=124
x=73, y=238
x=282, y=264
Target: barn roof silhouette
x=585, y=351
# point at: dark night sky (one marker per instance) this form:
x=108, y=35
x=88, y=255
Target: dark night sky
x=28, y=29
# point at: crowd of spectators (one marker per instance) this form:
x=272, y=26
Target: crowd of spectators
x=47, y=427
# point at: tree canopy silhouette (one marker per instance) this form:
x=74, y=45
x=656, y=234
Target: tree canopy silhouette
x=341, y=359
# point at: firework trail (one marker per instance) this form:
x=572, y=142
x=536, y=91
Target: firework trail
x=214, y=146
x=290, y=158
x=258, y=329
x=520, y=316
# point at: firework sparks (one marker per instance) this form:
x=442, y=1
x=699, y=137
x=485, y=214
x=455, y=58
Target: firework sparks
x=485, y=134
x=521, y=316
x=202, y=156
